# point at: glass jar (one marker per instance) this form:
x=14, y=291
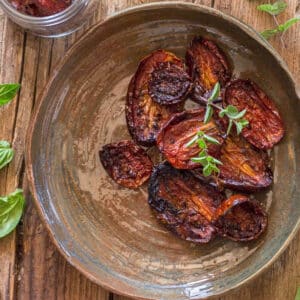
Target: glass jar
x=57, y=25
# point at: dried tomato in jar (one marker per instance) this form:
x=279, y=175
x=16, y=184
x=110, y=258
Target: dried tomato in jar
x=41, y=8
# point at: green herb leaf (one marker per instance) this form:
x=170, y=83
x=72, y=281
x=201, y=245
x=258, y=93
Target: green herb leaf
x=6, y=154
x=215, y=92
x=11, y=209
x=273, y=9
x=239, y=127
x=222, y=113
x=216, y=161
x=198, y=159
x=288, y=24
x=231, y=110
x=281, y=28
x=192, y=141
x=203, y=153
x=207, y=170
x=8, y=92
x=208, y=113
x=211, y=139
x=298, y=294
x=229, y=126
x=239, y=115
x=202, y=144
x=268, y=33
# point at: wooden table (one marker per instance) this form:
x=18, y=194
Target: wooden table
x=30, y=266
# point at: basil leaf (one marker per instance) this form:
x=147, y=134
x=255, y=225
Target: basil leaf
x=208, y=114
x=273, y=9
x=11, y=209
x=215, y=92
x=8, y=92
x=6, y=154
x=288, y=24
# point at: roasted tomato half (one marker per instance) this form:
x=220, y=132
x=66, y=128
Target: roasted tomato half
x=207, y=65
x=182, y=203
x=265, y=124
x=244, y=167
x=126, y=163
x=179, y=130
x=241, y=219
x=156, y=91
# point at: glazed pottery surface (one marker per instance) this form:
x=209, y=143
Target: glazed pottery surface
x=109, y=232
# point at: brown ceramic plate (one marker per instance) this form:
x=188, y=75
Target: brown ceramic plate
x=108, y=232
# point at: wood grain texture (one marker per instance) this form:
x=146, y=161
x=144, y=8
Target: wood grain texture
x=30, y=265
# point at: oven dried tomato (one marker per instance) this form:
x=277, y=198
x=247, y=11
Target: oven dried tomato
x=179, y=130
x=265, y=124
x=207, y=64
x=241, y=219
x=41, y=8
x=126, y=163
x=159, y=79
x=184, y=204
x=243, y=168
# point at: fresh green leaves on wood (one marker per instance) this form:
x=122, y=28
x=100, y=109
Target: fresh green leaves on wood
x=11, y=206
x=273, y=9
x=6, y=154
x=11, y=209
x=8, y=92
x=279, y=29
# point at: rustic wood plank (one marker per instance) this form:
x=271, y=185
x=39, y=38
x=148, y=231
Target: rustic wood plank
x=11, y=42
x=283, y=278
x=43, y=273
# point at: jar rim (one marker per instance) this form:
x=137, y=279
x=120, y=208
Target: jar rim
x=61, y=16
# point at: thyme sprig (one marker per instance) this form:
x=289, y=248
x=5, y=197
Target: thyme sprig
x=235, y=117
x=231, y=112
x=208, y=162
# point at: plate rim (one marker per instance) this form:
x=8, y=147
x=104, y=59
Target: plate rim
x=75, y=262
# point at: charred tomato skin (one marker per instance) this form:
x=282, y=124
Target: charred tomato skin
x=207, y=64
x=169, y=84
x=147, y=90
x=179, y=130
x=126, y=163
x=244, y=167
x=265, y=127
x=241, y=219
x=183, y=204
